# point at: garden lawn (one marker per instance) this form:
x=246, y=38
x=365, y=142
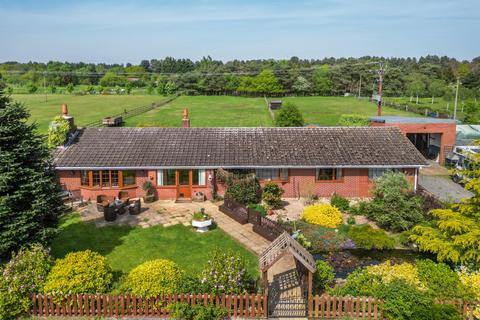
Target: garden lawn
x=85, y=108
x=127, y=247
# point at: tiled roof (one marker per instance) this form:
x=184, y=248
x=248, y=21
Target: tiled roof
x=238, y=147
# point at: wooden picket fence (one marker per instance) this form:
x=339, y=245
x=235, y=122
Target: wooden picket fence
x=328, y=307
x=466, y=308
x=84, y=305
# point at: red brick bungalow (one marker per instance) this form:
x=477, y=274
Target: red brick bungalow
x=182, y=161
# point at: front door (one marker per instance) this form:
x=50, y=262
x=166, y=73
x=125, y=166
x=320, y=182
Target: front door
x=184, y=184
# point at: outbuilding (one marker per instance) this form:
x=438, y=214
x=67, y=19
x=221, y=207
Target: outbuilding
x=433, y=137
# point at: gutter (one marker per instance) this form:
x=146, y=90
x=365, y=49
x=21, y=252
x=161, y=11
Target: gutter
x=241, y=167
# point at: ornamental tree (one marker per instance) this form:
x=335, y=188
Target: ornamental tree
x=289, y=116
x=29, y=193
x=454, y=235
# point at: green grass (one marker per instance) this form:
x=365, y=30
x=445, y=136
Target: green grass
x=439, y=104
x=205, y=111
x=208, y=111
x=85, y=108
x=222, y=111
x=326, y=111
x=126, y=247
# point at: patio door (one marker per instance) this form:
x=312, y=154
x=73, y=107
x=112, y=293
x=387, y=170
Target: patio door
x=184, y=184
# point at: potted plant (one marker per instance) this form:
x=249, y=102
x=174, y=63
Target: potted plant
x=149, y=192
x=201, y=221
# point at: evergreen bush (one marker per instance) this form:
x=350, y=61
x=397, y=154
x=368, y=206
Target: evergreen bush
x=272, y=195
x=155, y=277
x=323, y=276
x=340, y=202
x=79, y=272
x=366, y=237
x=323, y=215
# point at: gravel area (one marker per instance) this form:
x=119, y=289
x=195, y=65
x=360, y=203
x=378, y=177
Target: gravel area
x=444, y=188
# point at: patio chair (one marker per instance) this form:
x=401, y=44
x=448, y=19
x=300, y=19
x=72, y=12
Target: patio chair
x=102, y=201
x=109, y=213
x=123, y=196
x=134, y=207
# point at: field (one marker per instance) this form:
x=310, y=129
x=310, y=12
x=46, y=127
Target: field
x=126, y=247
x=439, y=104
x=205, y=111
x=85, y=108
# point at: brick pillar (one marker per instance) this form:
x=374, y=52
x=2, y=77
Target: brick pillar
x=185, y=120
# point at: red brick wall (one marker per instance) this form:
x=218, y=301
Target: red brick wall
x=447, y=130
x=354, y=184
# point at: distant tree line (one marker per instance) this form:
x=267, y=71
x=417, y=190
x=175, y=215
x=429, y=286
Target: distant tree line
x=429, y=76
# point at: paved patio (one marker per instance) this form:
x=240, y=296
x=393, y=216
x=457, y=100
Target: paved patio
x=168, y=213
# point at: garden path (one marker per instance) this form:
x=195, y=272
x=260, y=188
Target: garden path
x=285, y=293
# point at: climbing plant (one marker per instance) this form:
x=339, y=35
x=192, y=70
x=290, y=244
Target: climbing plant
x=57, y=133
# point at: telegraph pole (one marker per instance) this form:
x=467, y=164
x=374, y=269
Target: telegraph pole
x=456, y=100
x=45, y=87
x=380, y=81
x=360, y=87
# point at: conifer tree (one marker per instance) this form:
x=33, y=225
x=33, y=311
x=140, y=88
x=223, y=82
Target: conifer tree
x=454, y=234
x=29, y=193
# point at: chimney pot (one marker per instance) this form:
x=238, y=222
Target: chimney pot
x=65, y=109
x=185, y=120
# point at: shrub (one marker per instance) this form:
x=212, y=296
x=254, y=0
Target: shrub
x=224, y=273
x=322, y=214
x=471, y=282
x=241, y=187
x=340, y=202
x=394, y=206
x=154, y=277
x=23, y=275
x=272, y=195
x=323, y=276
x=367, y=237
x=436, y=312
x=79, y=272
x=351, y=220
x=402, y=300
x=439, y=279
x=353, y=120
x=289, y=116
x=259, y=208
x=183, y=310
x=359, y=283
x=321, y=239
x=389, y=272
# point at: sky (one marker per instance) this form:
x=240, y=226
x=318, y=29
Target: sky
x=129, y=31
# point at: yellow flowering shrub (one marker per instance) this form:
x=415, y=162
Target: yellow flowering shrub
x=79, y=272
x=323, y=215
x=388, y=272
x=155, y=277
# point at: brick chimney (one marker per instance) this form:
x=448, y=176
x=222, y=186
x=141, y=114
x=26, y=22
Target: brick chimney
x=68, y=118
x=185, y=120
